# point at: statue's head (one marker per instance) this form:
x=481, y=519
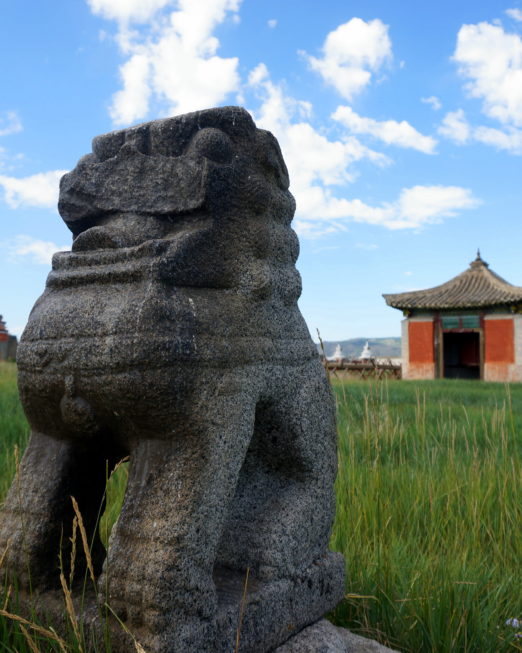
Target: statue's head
x=206, y=192
x=139, y=182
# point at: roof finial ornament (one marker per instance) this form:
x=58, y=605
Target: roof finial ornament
x=479, y=261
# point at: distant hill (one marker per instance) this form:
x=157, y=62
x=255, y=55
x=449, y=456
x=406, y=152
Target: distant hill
x=381, y=347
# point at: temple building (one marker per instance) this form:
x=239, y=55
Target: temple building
x=8, y=343
x=467, y=328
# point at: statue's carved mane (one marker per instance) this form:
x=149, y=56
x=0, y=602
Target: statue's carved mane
x=210, y=185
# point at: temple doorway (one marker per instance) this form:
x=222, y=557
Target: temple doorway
x=461, y=355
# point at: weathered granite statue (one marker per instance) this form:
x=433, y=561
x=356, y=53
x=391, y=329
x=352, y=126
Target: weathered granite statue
x=171, y=333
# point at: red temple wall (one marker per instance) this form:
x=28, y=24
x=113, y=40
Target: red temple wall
x=501, y=350
x=420, y=371
x=499, y=341
x=421, y=353
x=420, y=337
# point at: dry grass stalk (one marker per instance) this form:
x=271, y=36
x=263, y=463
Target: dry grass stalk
x=69, y=606
x=8, y=596
x=85, y=541
x=325, y=360
x=242, y=610
x=30, y=641
x=139, y=648
x=73, y=549
x=2, y=558
x=119, y=464
x=16, y=452
x=38, y=629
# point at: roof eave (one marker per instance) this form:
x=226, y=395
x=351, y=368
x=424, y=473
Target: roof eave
x=453, y=307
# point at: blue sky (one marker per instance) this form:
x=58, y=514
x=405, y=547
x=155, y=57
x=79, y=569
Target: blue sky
x=400, y=122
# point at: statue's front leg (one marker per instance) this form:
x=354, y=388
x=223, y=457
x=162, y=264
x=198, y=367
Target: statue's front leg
x=36, y=517
x=162, y=551
x=283, y=510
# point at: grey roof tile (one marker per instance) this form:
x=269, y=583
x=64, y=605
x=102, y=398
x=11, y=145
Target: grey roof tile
x=477, y=287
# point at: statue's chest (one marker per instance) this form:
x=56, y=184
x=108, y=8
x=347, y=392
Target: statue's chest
x=124, y=325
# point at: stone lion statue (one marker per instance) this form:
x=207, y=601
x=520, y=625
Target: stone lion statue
x=171, y=334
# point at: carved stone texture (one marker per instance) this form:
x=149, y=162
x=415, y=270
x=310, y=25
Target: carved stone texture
x=171, y=334
x=324, y=637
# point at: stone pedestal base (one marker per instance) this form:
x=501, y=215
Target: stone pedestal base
x=273, y=611
x=324, y=637
x=267, y=615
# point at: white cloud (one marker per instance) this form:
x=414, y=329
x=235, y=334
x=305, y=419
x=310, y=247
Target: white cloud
x=40, y=190
x=9, y=161
x=427, y=204
x=317, y=165
x=312, y=230
x=37, y=251
x=351, y=53
x=272, y=23
x=491, y=60
x=455, y=127
x=259, y=75
x=509, y=139
x=133, y=101
x=10, y=123
x=415, y=207
x=515, y=14
x=172, y=61
x=127, y=10
x=391, y=132
x=314, y=161
x=433, y=101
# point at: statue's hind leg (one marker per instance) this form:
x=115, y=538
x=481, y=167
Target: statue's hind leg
x=284, y=505
x=37, y=515
x=162, y=550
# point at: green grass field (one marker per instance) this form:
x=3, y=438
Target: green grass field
x=13, y=427
x=428, y=511
x=429, y=516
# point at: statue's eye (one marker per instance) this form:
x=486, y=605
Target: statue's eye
x=212, y=144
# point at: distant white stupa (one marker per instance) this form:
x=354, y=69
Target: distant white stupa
x=337, y=355
x=366, y=353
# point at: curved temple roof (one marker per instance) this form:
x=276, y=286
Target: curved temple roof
x=478, y=286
